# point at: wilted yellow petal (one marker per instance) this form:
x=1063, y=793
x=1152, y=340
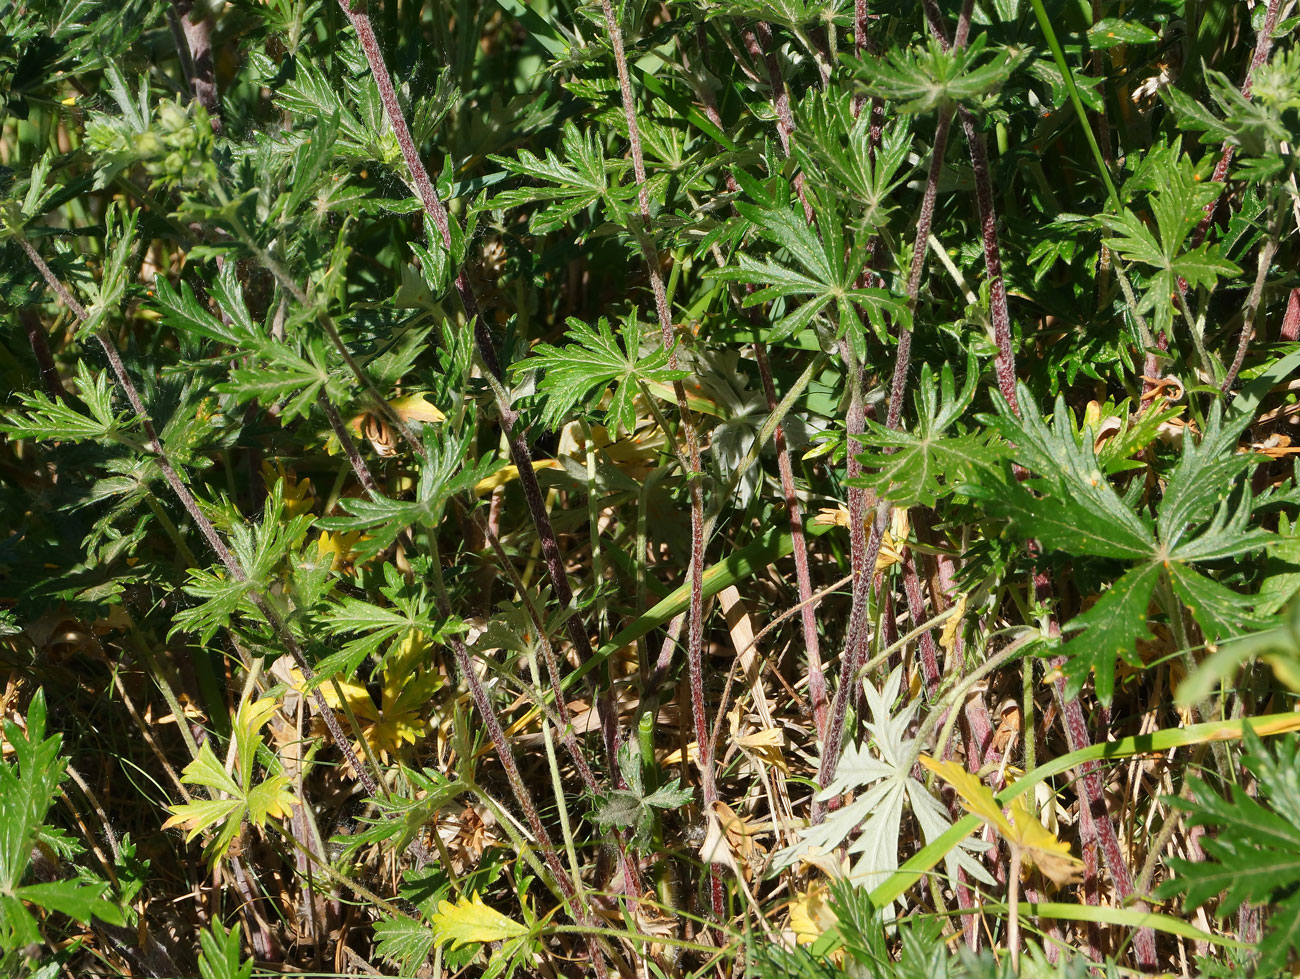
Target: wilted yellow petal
x=508, y=474
x=810, y=915
x=338, y=547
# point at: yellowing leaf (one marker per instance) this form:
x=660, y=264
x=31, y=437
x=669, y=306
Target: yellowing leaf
x=1037, y=845
x=692, y=752
x=198, y=816
x=412, y=408
x=716, y=848
x=400, y=718
x=508, y=474
x=948, y=638
x=470, y=921
x=416, y=408
x=765, y=744
x=975, y=796
x=889, y=544
x=1041, y=849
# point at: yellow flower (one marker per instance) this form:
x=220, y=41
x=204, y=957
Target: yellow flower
x=407, y=686
x=339, y=549
x=299, y=497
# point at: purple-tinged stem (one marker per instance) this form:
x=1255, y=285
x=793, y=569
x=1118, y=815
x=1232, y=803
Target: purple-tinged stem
x=197, y=31
x=1005, y=362
x=816, y=674
x=31, y=321
x=1251, y=311
x=916, y=609
x=200, y=519
x=1290, y=331
x=864, y=564
x=1263, y=47
x=485, y=344
x=1092, y=796
x=695, y=621
x=341, y=433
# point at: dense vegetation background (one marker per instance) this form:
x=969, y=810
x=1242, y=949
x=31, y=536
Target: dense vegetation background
x=755, y=487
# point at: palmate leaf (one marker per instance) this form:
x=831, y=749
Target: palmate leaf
x=1254, y=855
x=405, y=942
x=259, y=550
x=1070, y=506
x=827, y=273
x=565, y=185
x=582, y=369
x=793, y=14
x=1177, y=200
x=923, y=78
x=880, y=773
x=633, y=807
x=28, y=785
x=442, y=476
x=106, y=293
x=1112, y=629
x=1078, y=510
x=1037, y=845
x=48, y=420
x=917, y=467
x=835, y=148
x=234, y=799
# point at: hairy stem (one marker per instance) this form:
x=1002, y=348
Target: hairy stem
x=1251, y=311
x=520, y=454
x=1263, y=47
x=695, y=620
x=205, y=525
x=816, y=674
x=864, y=564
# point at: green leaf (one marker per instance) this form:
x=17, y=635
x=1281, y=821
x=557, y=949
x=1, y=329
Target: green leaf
x=405, y=942
x=1220, y=611
x=47, y=420
x=1177, y=199
x=1079, y=510
x=1111, y=31
x=582, y=370
x=78, y=900
x=570, y=183
x=182, y=311
x=28, y=786
x=918, y=467
x=829, y=268
x=1253, y=855
x=219, y=956
x=922, y=79
x=1112, y=629
x=107, y=293
x=442, y=476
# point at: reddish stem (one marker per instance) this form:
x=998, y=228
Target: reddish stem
x=485, y=344
x=200, y=519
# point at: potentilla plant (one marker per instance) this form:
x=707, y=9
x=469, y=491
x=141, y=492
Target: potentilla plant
x=555, y=487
